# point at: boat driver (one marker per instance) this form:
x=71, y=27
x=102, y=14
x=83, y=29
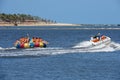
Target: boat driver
x=97, y=36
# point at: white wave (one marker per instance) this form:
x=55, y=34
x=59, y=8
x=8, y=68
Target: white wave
x=100, y=48
x=82, y=44
x=12, y=48
x=13, y=52
x=1, y=48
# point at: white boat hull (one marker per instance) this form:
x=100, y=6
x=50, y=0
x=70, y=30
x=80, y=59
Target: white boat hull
x=106, y=41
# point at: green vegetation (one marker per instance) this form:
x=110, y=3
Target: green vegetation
x=20, y=18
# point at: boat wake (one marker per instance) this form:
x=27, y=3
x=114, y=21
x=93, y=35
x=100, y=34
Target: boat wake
x=81, y=47
x=87, y=45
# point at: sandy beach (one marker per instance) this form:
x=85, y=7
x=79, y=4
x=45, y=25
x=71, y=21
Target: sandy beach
x=39, y=24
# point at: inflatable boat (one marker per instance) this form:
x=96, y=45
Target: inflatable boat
x=26, y=42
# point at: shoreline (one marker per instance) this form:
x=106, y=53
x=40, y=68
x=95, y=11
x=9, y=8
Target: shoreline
x=40, y=24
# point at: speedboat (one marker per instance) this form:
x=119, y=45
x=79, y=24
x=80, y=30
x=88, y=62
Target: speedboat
x=97, y=40
x=26, y=42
